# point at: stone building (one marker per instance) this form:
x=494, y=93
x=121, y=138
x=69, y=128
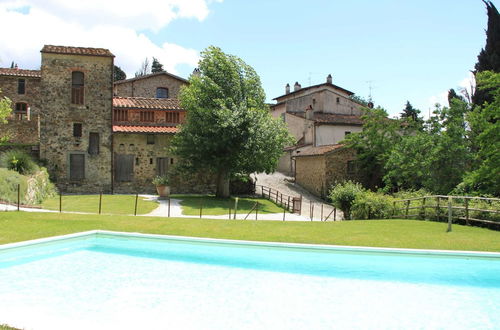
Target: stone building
x=23, y=89
x=91, y=140
x=76, y=117
x=154, y=85
x=319, y=117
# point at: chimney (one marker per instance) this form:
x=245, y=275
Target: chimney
x=296, y=87
x=329, y=79
x=196, y=72
x=287, y=89
x=16, y=67
x=309, y=112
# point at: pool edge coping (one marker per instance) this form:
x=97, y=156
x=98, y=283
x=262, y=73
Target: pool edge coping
x=328, y=247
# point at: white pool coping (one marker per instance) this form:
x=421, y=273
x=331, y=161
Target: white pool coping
x=344, y=248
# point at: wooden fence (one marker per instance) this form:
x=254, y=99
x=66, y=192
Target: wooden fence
x=465, y=209
x=291, y=203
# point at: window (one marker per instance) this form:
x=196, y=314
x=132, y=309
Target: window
x=172, y=117
x=150, y=139
x=93, y=143
x=171, y=160
x=161, y=165
x=121, y=115
x=346, y=133
x=77, y=87
x=338, y=100
x=351, y=167
x=21, y=111
x=77, y=129
x=147, y=116
x=21, y=86
x=76, y=167
x=161, y=93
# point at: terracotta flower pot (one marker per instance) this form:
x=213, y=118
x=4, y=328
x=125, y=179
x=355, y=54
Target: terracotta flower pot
x=163, y=190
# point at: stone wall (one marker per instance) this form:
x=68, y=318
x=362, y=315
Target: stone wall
x=21, y=131
x=318, y=174
x=58, y=115
x=146, y=86
x=310, y=173
x=8, y=87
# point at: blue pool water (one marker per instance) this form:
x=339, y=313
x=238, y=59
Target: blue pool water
x=104, y=280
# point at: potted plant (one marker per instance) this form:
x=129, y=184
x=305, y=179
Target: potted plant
x=161, y=183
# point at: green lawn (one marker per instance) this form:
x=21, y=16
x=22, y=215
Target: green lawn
x=111, y=204
x=220, y=206
x=20, y=226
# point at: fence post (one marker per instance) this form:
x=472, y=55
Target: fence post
x=135, y=208
x=235, y=207
x=450, y=213
x=312, y=211
x=321, y=217
x=18, y=195
x=60, y=202
x=423, y=207
x=407, y=209
x=467, y=211
x=288, y=204
x=437, y=209
x=284, y=210
x=100, y=202
x=262, y=191
x=230, y=213
x=168, y=214
x=394, y=209
x=256, y=210
x=201, y=208
x=300, y=204
x=334, y=214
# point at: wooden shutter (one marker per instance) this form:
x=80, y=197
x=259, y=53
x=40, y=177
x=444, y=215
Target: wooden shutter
x=161, y=165
x=94, y=143
x=76, y=167
x=124, y=168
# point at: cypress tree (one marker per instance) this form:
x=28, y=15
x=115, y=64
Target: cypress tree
x=489, y=57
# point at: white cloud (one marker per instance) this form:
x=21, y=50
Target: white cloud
x=118, y=25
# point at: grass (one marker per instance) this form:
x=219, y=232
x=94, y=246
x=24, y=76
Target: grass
x=111, y=204
x=20, y=226
x=220, y=206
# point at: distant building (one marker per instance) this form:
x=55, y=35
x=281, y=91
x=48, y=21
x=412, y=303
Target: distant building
x=319, y=117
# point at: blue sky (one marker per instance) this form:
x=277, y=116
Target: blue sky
x=406, y=50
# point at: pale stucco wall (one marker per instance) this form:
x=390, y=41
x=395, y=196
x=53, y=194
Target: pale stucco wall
x=333, y=134
x=300, y=127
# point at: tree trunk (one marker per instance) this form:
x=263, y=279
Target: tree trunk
x=222, y=185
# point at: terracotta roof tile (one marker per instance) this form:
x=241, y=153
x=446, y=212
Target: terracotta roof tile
x=146, y=103
x=20, y=72
x=316, y=151
x=144, y=129
x=333, y=118
x=77, y=50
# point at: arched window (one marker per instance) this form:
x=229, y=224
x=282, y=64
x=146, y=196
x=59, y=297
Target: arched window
x=77, y=87
x=161, y=93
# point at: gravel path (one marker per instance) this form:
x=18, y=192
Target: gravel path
x=285, y=185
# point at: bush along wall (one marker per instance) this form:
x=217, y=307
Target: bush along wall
x=33, y=188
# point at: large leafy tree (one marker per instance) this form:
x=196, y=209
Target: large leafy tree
x=228, y=130
x=373, y=145
x=485, y=125
x=489, y=57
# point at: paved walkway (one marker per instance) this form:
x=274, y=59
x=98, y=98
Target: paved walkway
x=285, y=185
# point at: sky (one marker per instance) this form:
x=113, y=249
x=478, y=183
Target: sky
x=393, y=50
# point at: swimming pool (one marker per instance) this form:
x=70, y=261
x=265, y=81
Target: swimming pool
x=131, y=281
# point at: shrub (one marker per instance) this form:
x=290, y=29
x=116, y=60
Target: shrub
x=40, y=187
x=371, y=205
x=161, y=180
x=343, y=196
x=18, y=161
x=8, y=185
